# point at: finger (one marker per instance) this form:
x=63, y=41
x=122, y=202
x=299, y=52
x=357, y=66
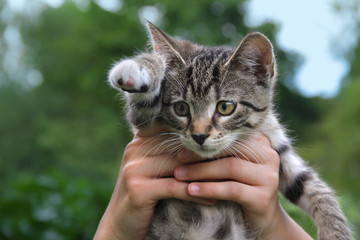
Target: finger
x=151, y=139
x=230, y=191
x=225, y=169
x=166, y=188
x=154, y=167
x=163, y=143
x=256, y=149
x=249, y=149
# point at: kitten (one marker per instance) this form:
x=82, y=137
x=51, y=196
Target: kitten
x=210, y=97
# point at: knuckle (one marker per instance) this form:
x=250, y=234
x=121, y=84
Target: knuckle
x=274, y=157
x=233, y=166
x=127, y=154
x=234, y=191
x=265, y=200
x=267, y=196
x=130, y=182
x=128, y=171
x=172, y=189
x=129, y=151
x=273, y=177
x=133, y=189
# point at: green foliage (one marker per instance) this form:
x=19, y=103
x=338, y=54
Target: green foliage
x=51, y=206
x=335, y=149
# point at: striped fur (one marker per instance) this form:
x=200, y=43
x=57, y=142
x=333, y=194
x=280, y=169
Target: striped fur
x=181, y=84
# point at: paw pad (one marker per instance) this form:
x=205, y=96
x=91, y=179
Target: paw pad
x=128, y=76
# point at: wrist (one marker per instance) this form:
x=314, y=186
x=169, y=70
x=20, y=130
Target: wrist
x=283, y=227
x=121, y=222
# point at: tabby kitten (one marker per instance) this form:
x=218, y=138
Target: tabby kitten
x=210, y=97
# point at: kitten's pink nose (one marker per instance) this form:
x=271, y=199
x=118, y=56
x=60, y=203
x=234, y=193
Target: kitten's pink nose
x=200, y=138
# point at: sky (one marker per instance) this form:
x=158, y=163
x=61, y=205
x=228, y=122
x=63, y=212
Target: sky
x=309, y=28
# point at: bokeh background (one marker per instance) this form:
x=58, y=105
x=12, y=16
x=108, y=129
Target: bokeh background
x=62, y=131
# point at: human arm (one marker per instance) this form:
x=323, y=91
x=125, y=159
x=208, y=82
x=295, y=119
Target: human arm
x=142, y=181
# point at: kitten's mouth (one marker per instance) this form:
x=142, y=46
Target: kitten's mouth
x=207, y=152
x=204, y=150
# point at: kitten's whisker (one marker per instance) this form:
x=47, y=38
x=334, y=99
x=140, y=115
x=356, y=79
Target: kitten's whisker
x=236, y=153
x=167, y=149
x=165, y=159
x=148, y=150
x=154, y=149
x=233, y=153
x=244, y=146
x=259, y=149
x=248, y=151
x=165, y=143
x=248, y=146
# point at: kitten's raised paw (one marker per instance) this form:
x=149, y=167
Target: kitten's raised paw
x=128, y=76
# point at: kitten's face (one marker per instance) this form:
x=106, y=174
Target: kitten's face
x=213, y=96
x=211, y=105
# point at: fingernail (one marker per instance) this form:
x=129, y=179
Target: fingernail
x=181, y=172
x=193, y=189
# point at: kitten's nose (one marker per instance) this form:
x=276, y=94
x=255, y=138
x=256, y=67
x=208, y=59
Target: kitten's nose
x=200, y=138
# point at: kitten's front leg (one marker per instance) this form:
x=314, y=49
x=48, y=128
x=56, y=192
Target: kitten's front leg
x=140, y=78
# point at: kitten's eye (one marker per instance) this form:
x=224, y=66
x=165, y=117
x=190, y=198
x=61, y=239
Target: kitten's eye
x=181, y=109
x=225, y=108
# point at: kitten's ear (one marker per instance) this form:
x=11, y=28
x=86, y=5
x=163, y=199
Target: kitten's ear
x=168, y=46
x=256, y=54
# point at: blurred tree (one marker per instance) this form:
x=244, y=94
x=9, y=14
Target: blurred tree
x=334, y=148
x=349, y=39
x=72, y=48
x=68, y=122
x=335, y=139
x=52, y=206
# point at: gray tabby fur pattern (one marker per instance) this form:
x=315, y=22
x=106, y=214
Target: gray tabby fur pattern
x=188, y=87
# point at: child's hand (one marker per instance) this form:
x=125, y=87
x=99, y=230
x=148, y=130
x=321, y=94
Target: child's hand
x=145, y=177
x=250, y=179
